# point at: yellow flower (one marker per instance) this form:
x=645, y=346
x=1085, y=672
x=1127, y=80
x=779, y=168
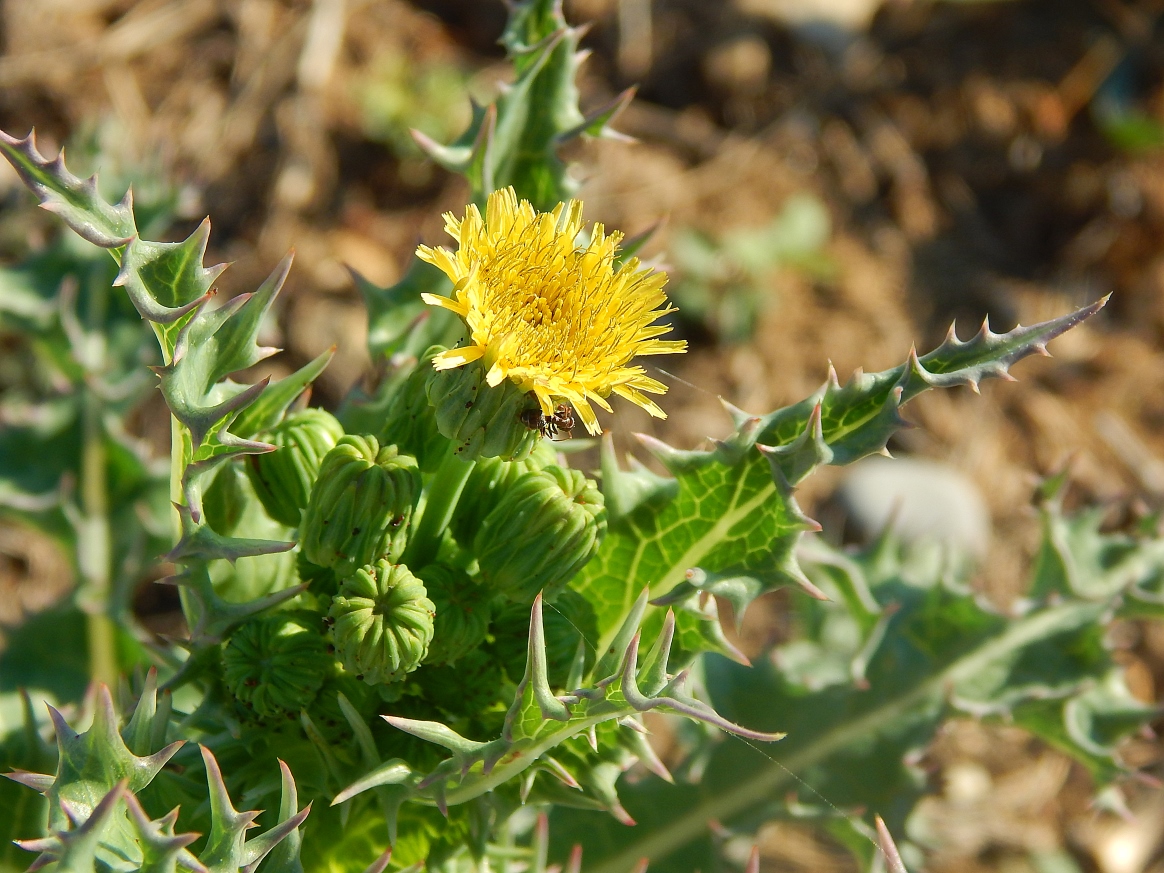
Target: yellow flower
x=558, y=319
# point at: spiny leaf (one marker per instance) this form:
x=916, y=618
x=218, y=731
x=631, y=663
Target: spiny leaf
x=92, y=763
x=732, y=526
x=227, y=850
x=268, y=409
x=166, y=282
x=74, y=846
x=857, y=419
x=514, y=141
x=538, y=722
x=919, y=647
x=162, y=850
x=76, y=201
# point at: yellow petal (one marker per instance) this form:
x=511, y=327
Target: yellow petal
x=663, y=347
x=445, y=303
x=640, y=400
x=495, y=376
x=588, y=417
x=456, y=357
x=545, y=400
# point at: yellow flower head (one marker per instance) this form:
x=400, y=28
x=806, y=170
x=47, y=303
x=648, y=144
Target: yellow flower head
x=558, y=319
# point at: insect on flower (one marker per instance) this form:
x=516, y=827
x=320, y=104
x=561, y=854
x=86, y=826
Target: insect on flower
x=556, y=312
x=561, y=420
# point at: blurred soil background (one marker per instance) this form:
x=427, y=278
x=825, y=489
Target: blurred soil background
x=837, y=180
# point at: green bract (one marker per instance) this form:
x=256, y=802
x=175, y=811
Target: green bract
x=382, y=622
x=276, y=664
x=283, y=479
x=462, y=612
x=481, y=422
x=361, y=505
x=542, y=531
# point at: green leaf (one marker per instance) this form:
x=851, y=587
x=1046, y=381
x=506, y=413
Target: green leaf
x=268, y=410
x=399, y=322
x=733, y=517
x=514, y=141
x=166, y=282
x=538, y=722
x=897, y=649
x=76, y=201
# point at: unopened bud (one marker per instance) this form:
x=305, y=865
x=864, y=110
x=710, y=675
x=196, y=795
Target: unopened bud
x=545, y=528
x=382, y=622
x=282, y=479
x=482, y=421
x=410, y=420
x=361, y=506
x=276, y=663
x=491, y=480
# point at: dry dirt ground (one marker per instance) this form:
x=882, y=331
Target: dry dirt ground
x=960, y=149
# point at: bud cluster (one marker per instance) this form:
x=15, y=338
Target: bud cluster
x=382, y=604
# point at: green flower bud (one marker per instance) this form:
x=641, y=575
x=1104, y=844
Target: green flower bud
x=490, y=480
x=462, y=613
x=570, y=619
x=276, y=664
x=410, y=421
x=543, y=531
x=470, y=687
x=382, y=622
x=360, y=507
x=282, y=479
x=482, y=422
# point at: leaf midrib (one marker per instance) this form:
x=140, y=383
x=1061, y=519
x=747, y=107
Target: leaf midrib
x=712, y=537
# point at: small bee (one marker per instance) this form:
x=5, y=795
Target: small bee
x=549, y=426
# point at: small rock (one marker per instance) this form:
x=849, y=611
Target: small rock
x=924, y=500
x=847, y=16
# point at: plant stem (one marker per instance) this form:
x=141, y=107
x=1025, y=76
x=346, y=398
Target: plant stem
x=94, y=552
x=769, y=780
x=443, y=494
x=94, y=543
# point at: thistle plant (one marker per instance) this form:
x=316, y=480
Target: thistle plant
x=411, y=620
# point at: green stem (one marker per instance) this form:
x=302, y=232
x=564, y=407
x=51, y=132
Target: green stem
x=443, y=494
x=771, y=779
x=94, y=540
x=94, y=549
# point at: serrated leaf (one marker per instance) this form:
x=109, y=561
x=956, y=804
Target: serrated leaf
x=928, y=646
x=167, y=281
x=722, y=516
x=76, y=201
x=268, y=409
x=514, y=141
x=858, y=418
x=538, y=722
x=734, y=516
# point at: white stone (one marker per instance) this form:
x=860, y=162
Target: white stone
x=924, y=500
